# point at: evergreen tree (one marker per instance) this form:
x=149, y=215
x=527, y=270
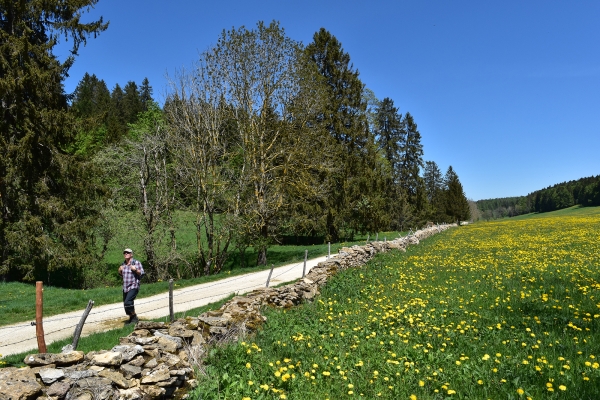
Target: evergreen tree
x=131, y=103
x=434, y=189
x=344, y=116
x=116, y=120
x=388, y=130
x=457, y=206
x=146, y=94
x=90, y=105
x=45, y=194
x=411, y=160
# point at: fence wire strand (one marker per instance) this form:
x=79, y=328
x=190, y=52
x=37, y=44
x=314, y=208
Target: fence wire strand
x=142, y=302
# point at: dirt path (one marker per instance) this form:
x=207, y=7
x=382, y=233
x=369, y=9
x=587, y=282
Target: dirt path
x=21, y=337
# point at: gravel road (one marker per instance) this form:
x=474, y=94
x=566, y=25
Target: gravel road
x=21, y=337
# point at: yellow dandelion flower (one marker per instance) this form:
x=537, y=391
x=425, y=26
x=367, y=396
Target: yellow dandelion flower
x=562, y=387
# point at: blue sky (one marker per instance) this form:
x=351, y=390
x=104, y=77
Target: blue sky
x=507, y=92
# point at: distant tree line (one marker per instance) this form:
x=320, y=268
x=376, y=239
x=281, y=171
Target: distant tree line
x=262, y=139
x=583, y=192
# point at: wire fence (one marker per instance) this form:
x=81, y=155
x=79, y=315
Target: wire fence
x=10, y=330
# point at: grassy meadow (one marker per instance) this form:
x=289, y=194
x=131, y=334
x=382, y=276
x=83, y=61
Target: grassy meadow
x=507, y=309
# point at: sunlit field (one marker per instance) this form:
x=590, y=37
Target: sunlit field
x=502, y=310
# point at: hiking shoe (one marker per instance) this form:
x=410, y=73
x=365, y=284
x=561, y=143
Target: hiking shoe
x=134, y=320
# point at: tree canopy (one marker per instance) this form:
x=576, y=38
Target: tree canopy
x=46, y=196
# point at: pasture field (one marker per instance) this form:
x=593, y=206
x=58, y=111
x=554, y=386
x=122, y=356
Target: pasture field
x=502, y=310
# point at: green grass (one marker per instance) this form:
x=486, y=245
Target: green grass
x=565, y=212
x=506, y=309
x=17, y=300
x=104, y=340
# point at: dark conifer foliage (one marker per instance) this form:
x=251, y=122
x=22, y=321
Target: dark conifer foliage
x=344, y=117
x=146, y=94
x=583, y=192
x=90, y=105
x=46, y=200
x=457, y=206
x=411, y=160
x=389, y=133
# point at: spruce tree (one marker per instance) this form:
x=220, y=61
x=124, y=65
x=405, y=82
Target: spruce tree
x=116, y=119
x=344, y=117
x=457, y=206
x=434, y=189
x=412, y=158
x=90, y=106
x=131, y=102
x=45, y=213
x=388, y=130
x=146, y=94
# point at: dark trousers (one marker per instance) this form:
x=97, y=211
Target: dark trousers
x=128, y=298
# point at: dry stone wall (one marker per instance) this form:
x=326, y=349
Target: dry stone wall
x=155, y=361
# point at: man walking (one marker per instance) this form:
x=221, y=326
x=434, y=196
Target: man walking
x=131, y=270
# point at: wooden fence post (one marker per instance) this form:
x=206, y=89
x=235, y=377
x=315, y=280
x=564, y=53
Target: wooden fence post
x=171, y=314
x=270, y=272
x=39, y=315
x=304, y=268
x=79, y=327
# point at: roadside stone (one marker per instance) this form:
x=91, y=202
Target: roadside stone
x=58, y=359
x=18, y=384
x=76, y=375
x=130, y=371
x=140, y=333
x=167, y=344
x=170, y=382
x=151, y=363
x=158, y=375
x=217, y=330
x=116, y=377
x=170, y=360
x=130, y=394
x=110, y=358
x=149, y=325
x=58, y=389
x=153, y=391
x=214, y=321
x=180, y=331
x=177, y=340
x=191, y=323
x=51, y=375
x=96, y=388
x=138, y=361
x=128, y=352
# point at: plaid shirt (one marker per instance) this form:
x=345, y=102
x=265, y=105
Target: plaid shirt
x=131, y=280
